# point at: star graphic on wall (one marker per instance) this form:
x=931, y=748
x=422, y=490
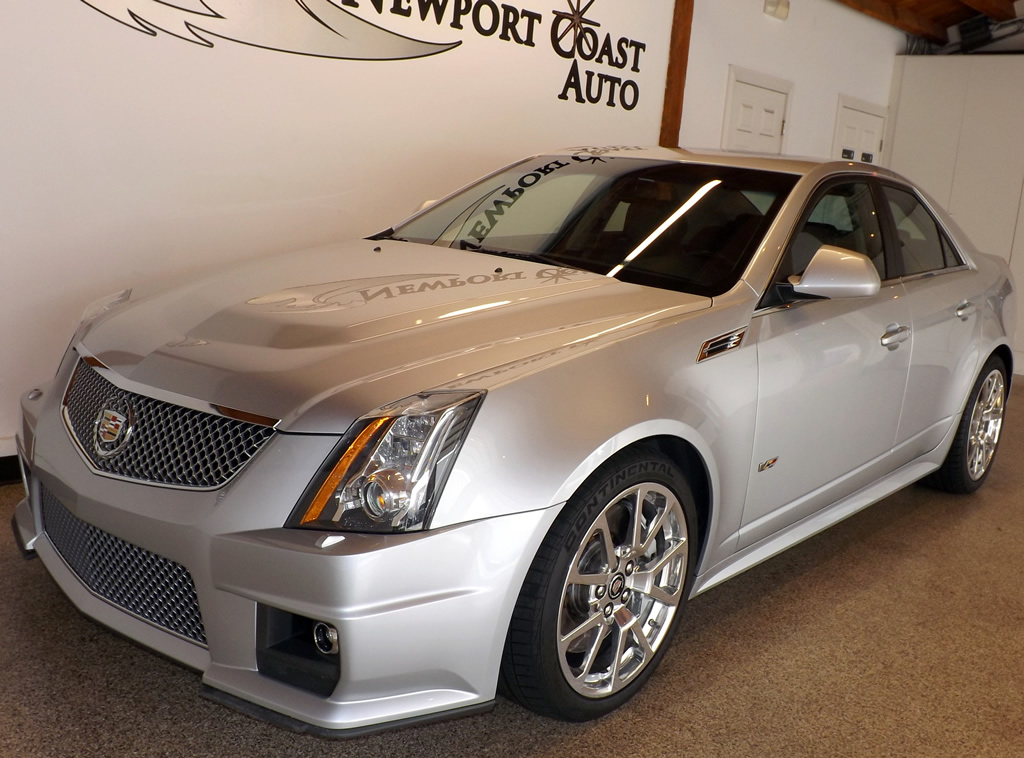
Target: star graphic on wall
x=577, y=18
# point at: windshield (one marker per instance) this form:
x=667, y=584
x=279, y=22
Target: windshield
x=679, y=226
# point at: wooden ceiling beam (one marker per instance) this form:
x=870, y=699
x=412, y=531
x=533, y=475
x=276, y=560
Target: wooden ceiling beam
x=1000, y=10
x=675, y=79
x=901, y=18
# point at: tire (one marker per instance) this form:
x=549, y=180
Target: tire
x=970, y=457
x=602, y=597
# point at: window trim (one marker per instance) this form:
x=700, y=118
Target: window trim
x=812, y=199
x=939, y=226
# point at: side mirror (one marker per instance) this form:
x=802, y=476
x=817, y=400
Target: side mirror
x=835, y=272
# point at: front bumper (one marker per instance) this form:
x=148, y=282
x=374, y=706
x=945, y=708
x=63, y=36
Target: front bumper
x=421, y=618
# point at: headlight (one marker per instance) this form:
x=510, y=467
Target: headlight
x=391, y=466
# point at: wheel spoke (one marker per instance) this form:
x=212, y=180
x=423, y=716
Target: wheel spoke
x=679, y=547
x=638, y=517
x=620, y=651
x=588, y=580
x=645, y=582
x=659, y=594
x=605, y=531
x=652, y=532
x=595, y=621
x=588, y=662
x=645, y=643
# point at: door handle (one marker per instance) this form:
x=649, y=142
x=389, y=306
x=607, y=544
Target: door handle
x=894, y=335
x=965, y=310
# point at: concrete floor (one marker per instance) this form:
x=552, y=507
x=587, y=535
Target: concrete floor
x=899, y=632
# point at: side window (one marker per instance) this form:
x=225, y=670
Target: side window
x=922, y=247
x=843, y=216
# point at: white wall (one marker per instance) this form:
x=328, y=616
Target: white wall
x=958, y=134
x=133, y=160
x=824, y=48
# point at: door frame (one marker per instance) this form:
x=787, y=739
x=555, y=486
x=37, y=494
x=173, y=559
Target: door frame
x=855, y=104
x=754, y=79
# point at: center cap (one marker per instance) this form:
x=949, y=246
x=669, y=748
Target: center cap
x=617, y=584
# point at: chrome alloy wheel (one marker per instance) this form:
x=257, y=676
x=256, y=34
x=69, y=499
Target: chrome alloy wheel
x=986, y=423
x=622, y=590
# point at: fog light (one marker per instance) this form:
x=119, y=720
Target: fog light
x=325, y=637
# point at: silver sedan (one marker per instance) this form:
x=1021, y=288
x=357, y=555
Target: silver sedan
x=499, y=446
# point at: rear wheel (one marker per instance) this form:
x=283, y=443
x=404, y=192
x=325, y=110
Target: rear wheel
x=599, y=604
x=970, y=457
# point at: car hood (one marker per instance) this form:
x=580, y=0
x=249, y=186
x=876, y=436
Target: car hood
x=319, y=337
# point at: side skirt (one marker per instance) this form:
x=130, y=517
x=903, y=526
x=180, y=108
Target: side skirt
x=821, y=520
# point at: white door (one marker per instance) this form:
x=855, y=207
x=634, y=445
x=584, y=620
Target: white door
x=858, y=135
x=754, y=119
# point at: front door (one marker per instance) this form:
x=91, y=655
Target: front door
x=830, y=393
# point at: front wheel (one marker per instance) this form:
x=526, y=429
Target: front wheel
x=970, y=457
x=599, y=603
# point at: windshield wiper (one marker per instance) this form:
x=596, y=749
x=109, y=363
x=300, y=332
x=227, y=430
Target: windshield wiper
x=387, y=234
x=537, y=257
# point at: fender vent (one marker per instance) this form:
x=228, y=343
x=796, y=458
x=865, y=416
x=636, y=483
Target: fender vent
x=719, y=345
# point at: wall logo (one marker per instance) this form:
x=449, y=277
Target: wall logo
x=603, y=65
x=306, y=27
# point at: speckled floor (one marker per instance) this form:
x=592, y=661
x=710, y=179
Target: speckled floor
x=899, y=632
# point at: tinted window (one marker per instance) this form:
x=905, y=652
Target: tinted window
x=687, y=227
x=922, y=246
x=843, y=215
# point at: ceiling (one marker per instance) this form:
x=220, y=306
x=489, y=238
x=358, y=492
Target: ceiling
x=930, y=19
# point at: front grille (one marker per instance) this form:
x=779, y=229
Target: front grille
x=163, y=443
x=145, y=584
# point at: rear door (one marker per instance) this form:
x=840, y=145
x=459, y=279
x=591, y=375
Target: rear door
x=944, y=300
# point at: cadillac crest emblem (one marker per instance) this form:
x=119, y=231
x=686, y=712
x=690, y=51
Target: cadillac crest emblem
x=113, y=429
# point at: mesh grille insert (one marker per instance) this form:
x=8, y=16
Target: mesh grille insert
x=166, y=443
x=143, y=583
